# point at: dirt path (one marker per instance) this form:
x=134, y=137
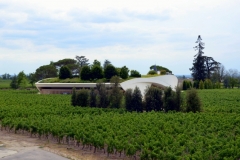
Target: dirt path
x=19, y=142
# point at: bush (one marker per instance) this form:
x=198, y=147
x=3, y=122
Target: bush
x=193, y=103
x=128, y=100
x=153, y=99
x=64, y=73
x=163, y=72
x=115, y=93
x=201, y=85
x=110, y=71
x=96, y=72
x=14, y=83
x=152, y=72
x=135, y=73
x=103, y=99
x=85, y=73
x=169, y=99
x=93, y=98
x=137, y=100
x=82, y=98
x=74, y=97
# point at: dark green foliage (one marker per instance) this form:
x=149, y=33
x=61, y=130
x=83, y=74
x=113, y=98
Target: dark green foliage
x=161, y=68
x=135, y=73
x=103, y=99
x=187, y=84
x=193, y=103
x=196, y=84
x=201, y=85
x=115, y=93
x=169, y=99
x=96, y=72
x=153, y=99
x=46, y=71
x=152, y=72
x=82, y=98
x=124, y=72
x=199, y=68
x=163, y=72
x=85, y=73
x=64, y=73
x=128, y=99
x=110, y=71
x=74, y=97
x=32, y=78
x=178, y=99
x=70, y=63
x=137, y=100
x=22, y=80
x=106, y=63
x=96, y=62
x=14, y=83
x=93, y=98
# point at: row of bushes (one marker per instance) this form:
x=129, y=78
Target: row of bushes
x=206, y=84
x=154, y=98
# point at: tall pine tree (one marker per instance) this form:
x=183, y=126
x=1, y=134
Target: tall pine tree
x=199, y=68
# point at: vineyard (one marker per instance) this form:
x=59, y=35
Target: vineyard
x=211, y=134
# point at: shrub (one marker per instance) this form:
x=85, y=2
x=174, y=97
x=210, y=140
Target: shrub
x=93, y=98
x=135, y=73
x=153, y=99
x=163, y=72
x=110, y=71
x=152, y=72
x=193, y=103
x=115, y=94
x=14, y=83
x=103, y=99
x=64, y=73
x=74, y=97
x=82, y=98
x=201, y=85
x=85, y=73
x=128, y=99
x=137, y=100
x=169, y=99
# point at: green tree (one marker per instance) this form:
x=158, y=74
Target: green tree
x=115, y=94
x=96, y=72
x=178, y=99
x=64, y=73
x=193, y=102
x=134, y=73
x=85, y=73
x=70, y=63
x=32, y=78
x=46, y=71
x=110, y=71
x=169, y=99
x=124, y=72
x=81, y=61
x=199, y=68
x=153, y=99
x=103, y=99
x=14, y=82
x=160, y=68
x=82, y=98
x=152, y=72
x=201, y=85
x=128, y=99
x=96, y=63
x=22, y=80
x=74, y=97
x=137, y=100
x=106, y=63
x=93, y=98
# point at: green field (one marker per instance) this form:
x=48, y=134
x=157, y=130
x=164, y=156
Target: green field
x=4, y=83
x=211, y=134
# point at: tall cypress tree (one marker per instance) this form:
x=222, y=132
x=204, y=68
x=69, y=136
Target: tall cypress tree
x=199, y=68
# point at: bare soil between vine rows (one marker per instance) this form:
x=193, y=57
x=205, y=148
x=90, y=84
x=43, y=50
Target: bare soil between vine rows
x=19, y=142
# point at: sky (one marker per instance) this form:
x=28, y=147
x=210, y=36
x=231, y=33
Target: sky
x=132, y=33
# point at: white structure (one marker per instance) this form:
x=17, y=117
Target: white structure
x=142, y=83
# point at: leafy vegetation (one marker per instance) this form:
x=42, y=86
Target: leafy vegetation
x=212, y=134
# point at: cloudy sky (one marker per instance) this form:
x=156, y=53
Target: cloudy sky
x=134, y=33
